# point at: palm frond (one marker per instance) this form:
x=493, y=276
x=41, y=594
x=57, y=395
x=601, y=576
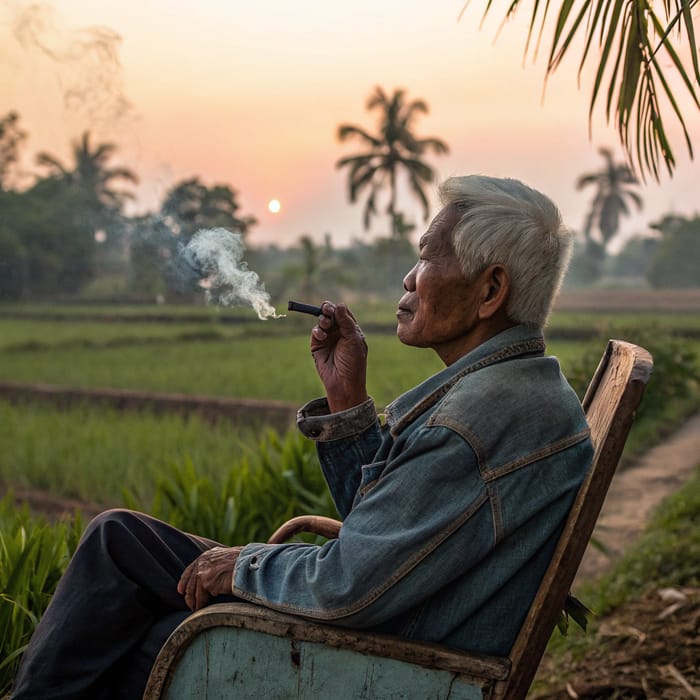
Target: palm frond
x=120, y=174
x=377, y=99
x=418, y=169
x=417, y=189
x=102, y=153
x=434, y=144
x=415, y=106
x=370, y=208
x=48, y=161
x=346, y=131
x=630, y=35
x=359, y=181
x=585, y=180
x=351, y=160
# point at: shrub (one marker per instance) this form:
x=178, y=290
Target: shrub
x=33, y=555
x=672, y=394
x=278, y=481
x=676, y=370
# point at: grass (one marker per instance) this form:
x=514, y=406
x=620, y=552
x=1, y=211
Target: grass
x=91, y=454
x=378, y=312
x=128, y=311
x=667, y=554
x=247, y=503
x=32, y=335
x=95, y=454
x=263, y=360
x=677, y=322
x=33, y=555
x=264, y=368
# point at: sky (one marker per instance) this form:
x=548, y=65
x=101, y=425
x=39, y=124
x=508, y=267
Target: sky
x=250, y=94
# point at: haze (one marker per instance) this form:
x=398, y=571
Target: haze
x=250, y=95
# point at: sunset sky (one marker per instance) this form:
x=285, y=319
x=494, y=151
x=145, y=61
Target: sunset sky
x=250, y=94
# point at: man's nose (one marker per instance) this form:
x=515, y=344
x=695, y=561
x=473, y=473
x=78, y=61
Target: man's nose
x=409, y=281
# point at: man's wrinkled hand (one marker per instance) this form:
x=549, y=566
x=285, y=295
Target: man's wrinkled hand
x=340, y=352
x=208, y=576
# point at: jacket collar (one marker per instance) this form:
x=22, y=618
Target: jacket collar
x=513, y=342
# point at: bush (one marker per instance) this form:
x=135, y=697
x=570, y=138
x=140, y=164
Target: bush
x=280, y=480
x=33, y=556
x=673, y=386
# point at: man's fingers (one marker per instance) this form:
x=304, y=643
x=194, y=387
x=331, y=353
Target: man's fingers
x=182, y=583
x=336, y=314
x=344, y=318
x=328, y=309
x=201, y=595
x=346, y=322
x=208, y=576
x=191, y=590
x=318, y=334
x=350, y=314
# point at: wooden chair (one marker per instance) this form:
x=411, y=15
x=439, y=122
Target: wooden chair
x=238, y=650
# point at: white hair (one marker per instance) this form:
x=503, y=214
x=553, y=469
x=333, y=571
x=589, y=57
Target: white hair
x=509, y=223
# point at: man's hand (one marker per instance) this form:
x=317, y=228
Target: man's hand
x=340, y=353
x=209, y=575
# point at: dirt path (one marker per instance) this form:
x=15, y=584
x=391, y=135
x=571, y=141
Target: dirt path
x=635, y=492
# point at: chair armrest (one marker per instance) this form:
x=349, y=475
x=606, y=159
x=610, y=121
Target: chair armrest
x=318, y=524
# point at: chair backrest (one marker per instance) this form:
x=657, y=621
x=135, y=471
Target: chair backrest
x=610, y=403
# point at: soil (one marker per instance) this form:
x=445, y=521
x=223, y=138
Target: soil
x=649, y=648
x=54, y=507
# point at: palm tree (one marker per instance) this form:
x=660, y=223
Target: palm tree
x=11, y=137
x=393, y=150
x=614, y=185
x=92, y=175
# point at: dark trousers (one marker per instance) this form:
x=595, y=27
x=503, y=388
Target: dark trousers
x=112, y=611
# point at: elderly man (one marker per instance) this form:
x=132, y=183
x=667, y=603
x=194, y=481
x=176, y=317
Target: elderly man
x=452, y=501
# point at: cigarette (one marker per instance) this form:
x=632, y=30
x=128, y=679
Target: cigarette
x=304, y=308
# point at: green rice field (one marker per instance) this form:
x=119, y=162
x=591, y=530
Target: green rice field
x=278, y=368
x=95, y=454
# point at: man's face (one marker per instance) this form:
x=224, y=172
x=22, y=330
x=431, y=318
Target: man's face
x=439, y=308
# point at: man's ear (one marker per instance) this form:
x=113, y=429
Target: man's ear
x=495, y=289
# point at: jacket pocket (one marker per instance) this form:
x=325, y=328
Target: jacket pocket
x=370, y=476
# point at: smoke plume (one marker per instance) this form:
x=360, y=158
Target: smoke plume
x=83, y=62
x=215, y=257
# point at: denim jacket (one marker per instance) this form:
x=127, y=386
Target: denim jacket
x=451, y=506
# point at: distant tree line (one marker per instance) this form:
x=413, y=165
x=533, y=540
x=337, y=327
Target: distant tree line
x=67, y=235
x=69, y=227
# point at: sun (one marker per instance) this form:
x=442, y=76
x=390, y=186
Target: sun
x=274, y=206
